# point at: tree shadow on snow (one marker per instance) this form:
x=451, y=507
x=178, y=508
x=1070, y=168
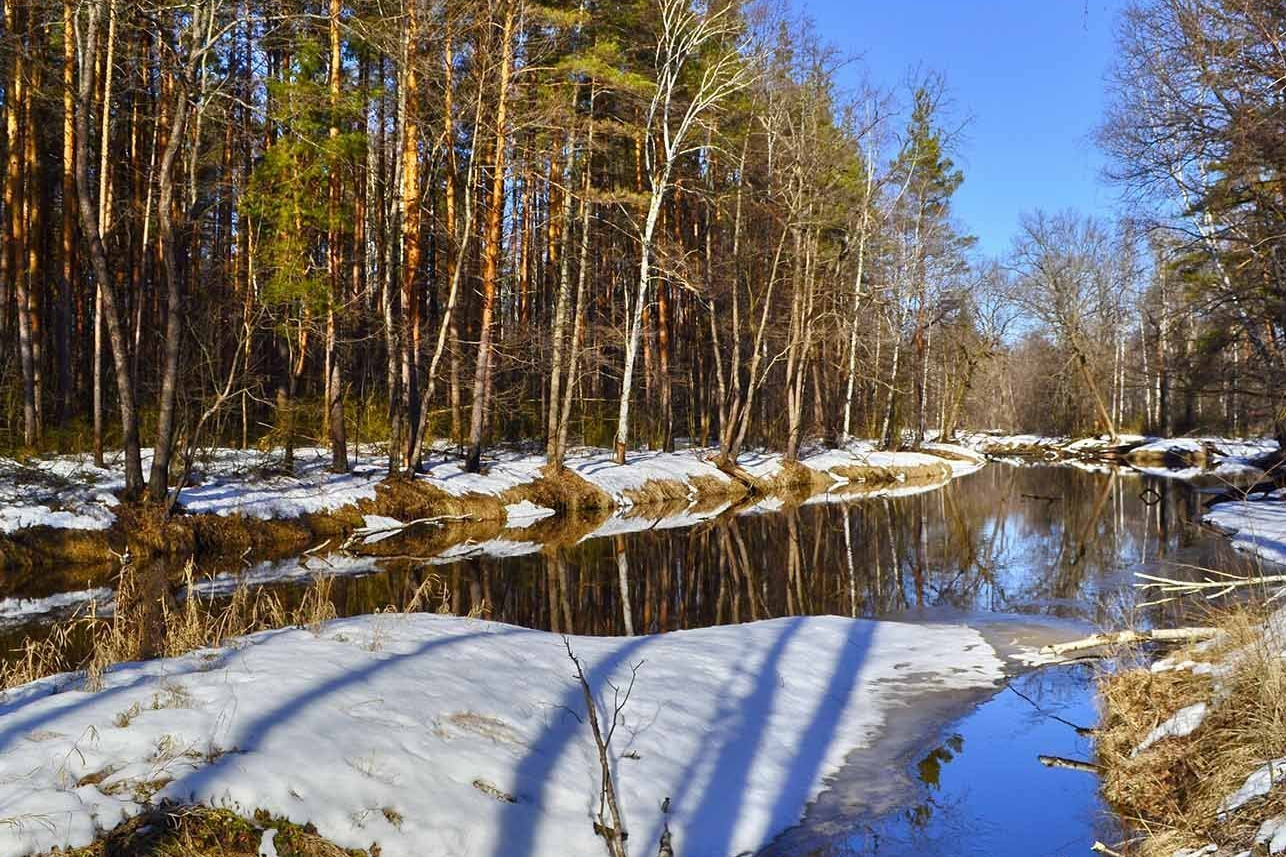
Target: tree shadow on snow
x=724, y=768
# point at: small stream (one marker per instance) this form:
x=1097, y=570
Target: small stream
x=1011, y=549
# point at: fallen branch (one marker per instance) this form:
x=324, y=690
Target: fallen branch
x=1069, y=764
x=1216, y=587
x=609, y=824
x=1121, y=638
x=387, y=529
x=1100, y=848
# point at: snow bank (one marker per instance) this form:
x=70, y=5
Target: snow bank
x=435, y=735
x=310, y=489
x=600, y=469
x=1172, y=446
x=39, y=494
x=962, y=459
x=503, y=470
x=1257, y=528
x=70, y=492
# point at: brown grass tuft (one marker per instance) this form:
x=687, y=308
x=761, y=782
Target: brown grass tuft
x=1173, y=791
x=197, y=831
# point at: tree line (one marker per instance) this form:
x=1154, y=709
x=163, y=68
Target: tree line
x=1171, y=317
x=250, y=221
x=625, y=224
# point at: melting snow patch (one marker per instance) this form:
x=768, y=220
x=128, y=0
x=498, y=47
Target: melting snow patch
x=1256, y=785
x=1272, y=833
x=266, y=846
x=1184, y=722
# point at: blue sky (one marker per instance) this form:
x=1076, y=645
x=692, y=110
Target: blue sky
x=1027, y=75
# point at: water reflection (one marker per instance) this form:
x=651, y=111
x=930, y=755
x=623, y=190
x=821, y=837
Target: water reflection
x=1046, y=540
x=1038, y=540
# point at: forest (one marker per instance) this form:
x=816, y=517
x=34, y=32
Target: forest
x=644, y=223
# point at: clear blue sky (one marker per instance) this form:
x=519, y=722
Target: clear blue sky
x=1028, y=75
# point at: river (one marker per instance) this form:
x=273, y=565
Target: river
x=1010, y=548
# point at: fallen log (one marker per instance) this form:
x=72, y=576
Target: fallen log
x=1121, y=638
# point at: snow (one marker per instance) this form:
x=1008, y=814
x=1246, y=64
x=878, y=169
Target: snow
x=266, y=846
x=1254, y=527
x=599, y=468
x=439, y=719
x=1172, y=446
x=1184, y=722
x=974, y=462
x=1256, y=785
x=503, y=470
x=1098, y=444
x=311, y=488
x=70, y=492
x=526, y=513
x=1272, y=833
x=38, y=494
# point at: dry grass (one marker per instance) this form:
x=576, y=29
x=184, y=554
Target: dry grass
x=173, y=831
x=144, y=625
x=1172, y=791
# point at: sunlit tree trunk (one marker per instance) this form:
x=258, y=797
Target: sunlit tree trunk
x=491, y=245
x=98, y=254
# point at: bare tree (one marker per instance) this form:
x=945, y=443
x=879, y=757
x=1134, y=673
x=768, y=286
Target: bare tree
x=688, y=32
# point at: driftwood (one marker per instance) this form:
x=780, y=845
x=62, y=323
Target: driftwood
x=1069, y=764
x=1100, y=848
x=1120, y=638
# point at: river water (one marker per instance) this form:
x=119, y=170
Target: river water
x=1011, y=546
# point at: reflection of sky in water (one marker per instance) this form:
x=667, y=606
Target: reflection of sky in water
x=979, y=788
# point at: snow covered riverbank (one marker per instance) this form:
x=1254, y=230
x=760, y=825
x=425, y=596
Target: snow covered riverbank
x=438, y=735
x=1255, y=527
x=1136, y=449
x=65, y=509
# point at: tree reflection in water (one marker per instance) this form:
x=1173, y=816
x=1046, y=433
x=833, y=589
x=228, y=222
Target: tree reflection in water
x=1039, y=540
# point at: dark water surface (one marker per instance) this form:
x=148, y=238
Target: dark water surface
x=1006, y=544
x=1050, y=541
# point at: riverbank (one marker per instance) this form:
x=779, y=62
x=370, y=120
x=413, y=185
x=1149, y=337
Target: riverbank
x=1137, y=450
x=455, y=736
x=257, y=505
x=1193, y=745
